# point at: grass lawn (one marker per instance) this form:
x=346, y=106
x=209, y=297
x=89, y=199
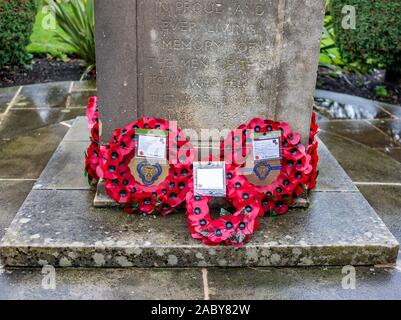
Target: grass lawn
x=43, y=41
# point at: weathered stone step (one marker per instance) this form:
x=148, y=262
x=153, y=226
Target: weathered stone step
x=58, y=225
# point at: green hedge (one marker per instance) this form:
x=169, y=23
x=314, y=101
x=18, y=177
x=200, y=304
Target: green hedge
x=376, y=41
x=16, y=22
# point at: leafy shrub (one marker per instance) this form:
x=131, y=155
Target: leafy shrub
x=43, y=41
x=330, y=55
x=76, y=20
x=16, y=21
x=376, y=40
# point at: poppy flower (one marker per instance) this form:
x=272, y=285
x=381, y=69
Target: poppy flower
x=294, y=153
x=243, y=231
x=285, y=129
x=235, y=183
x=216, y=232
x=313, y=180
x=200, y=225
x=280, y=208
x=271, y=125
x=198, y=211
x=299, y=177
x=146, y=202
x=229, y=225
x=293, y=139
x=119, y=194
x=92, y=111
x=128, y=141
x=247, y=225
x=304, y=163
x=257, y=125
x=265, y=204
x=314, y=129
x=161, y=124
x=165, y=209
x=252, y=209
x=95, y=137
x=297, y=191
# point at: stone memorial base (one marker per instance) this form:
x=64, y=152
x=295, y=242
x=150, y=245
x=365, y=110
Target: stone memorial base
x=102, y=200
x=58, y=225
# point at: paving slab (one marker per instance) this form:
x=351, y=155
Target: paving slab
x=390, y=127
x=6, y=95
x=331, y=176
x=65, y=170
x=47, y=95
x=394, y=153
x=320, y=283
x=360, y=131
x=84, y=85
x=103, y=284
x=12, y=195
x=394, y=110
x=362, y=163
x=80, y=99
x=25, y=156
x=19, y=122
x=58, y=225
x=79, y=131
x=303, y=284
x=386, y=200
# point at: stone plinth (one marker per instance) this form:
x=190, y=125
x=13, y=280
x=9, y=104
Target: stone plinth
x=58, y=225
x=207, y=64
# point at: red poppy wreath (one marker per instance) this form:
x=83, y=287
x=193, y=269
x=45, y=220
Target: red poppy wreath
x=297, y=169
x=92, y=155
x=143, y=196
x=312, y=150
x=234, y=229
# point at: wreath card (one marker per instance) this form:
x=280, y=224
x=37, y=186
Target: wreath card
x=210, y=179
x=263, y=165
x=152, y=144
x=150, y=165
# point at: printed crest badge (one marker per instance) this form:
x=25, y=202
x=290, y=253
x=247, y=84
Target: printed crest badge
x=263, y=165
x=150, y=165
x=262, y=169
x=148, y=172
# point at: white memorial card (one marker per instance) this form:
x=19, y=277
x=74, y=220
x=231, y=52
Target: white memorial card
x=150, y=146
x=210, y=179
x=267, y=147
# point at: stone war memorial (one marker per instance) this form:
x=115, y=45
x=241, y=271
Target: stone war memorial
x=201, y=149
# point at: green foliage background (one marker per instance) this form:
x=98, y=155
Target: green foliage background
x=17, y=18
x=44, y=41
x=376, y=41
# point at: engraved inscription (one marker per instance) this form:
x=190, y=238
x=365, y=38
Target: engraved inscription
x=214, y=61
